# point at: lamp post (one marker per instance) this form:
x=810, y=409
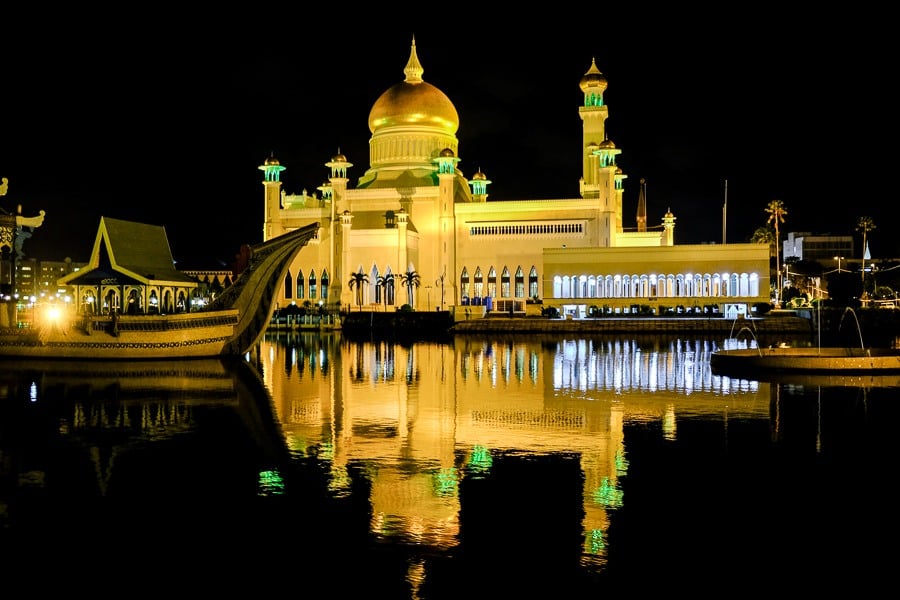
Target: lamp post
x=440, y=282
x=838, y=259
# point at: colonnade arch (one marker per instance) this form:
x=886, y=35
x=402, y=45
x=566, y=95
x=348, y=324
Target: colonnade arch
x=475, y=287
x=671, y=285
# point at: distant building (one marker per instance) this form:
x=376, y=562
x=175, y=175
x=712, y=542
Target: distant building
x=39, y=278
x=822, y=248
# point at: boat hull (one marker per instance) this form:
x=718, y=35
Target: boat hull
x=805, y=360
x=192, y=335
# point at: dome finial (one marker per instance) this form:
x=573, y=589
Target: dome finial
x=413, y=68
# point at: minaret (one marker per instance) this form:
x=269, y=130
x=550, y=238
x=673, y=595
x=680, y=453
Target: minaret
x=668, y=229
x=446, y=251
x=593, y=116
x=608, y=193
x=338, y=179
x=338, y=236
x=272, y=169
x=479, y=185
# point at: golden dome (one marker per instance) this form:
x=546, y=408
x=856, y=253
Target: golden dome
x=271, y=162
x=607, y=144
x=479, y=176
x=593, y=79
x=447, y=153
x=414, y=102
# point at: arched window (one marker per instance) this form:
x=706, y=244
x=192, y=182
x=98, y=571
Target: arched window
x=312, y=285
x=134, y=306
x=492, y=283
x=533, y=290
x=288, y=286
x=479, y=284
x=324, y=285
x=504, y=283
x=520, y=283
x=88, y=303
x=390, y=280
x=374, y=294
x=464, y=283
x=301, y=285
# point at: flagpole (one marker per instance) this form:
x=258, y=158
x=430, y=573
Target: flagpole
x=725, y=212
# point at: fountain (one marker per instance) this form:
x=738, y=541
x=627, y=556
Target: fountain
x=833, y=360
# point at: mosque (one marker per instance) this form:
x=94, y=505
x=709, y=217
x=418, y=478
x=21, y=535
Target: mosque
x=414, y=230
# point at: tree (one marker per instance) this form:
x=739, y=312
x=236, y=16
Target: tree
x=763, y=235
x=386, y=283
x=777, y=212
x=864, y=225
x=411, y=280
x=358, y=280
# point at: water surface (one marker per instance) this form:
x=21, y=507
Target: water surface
x=529, y=467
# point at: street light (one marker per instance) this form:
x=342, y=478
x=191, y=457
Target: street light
x=440, y=282
x=838, y=259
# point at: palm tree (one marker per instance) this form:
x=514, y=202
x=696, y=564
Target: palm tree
x=411, y=280
x=386, y=283
x=358, y=280
x=864, y=225
x=777, y=211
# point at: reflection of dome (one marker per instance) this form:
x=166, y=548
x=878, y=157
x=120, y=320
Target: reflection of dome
x=414, y=102
x=593, y=79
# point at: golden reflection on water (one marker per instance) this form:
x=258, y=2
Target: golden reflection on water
x=424, y=417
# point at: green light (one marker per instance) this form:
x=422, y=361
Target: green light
x=445, y=483
x=480, y=460
x=608, y=495
x=595, y=544
x=270, y=483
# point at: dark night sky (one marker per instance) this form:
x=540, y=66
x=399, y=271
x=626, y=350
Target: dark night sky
x=164, y=117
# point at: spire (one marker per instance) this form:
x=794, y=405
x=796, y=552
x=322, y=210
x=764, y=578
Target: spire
x=413, y=68
x=642, y=207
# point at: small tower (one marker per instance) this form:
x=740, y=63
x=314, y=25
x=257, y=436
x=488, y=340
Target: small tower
x=668, y=229
x=338, y=178
x=479, y=185
x=272, y=169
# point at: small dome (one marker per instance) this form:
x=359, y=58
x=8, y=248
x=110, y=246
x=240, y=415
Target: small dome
x=447, y=153
x=339, y=158
x=607, y=144
x=271, y=162
x=593, y=79
x=479, y=176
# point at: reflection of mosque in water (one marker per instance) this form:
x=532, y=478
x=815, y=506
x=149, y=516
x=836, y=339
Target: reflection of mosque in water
x=422, y=418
